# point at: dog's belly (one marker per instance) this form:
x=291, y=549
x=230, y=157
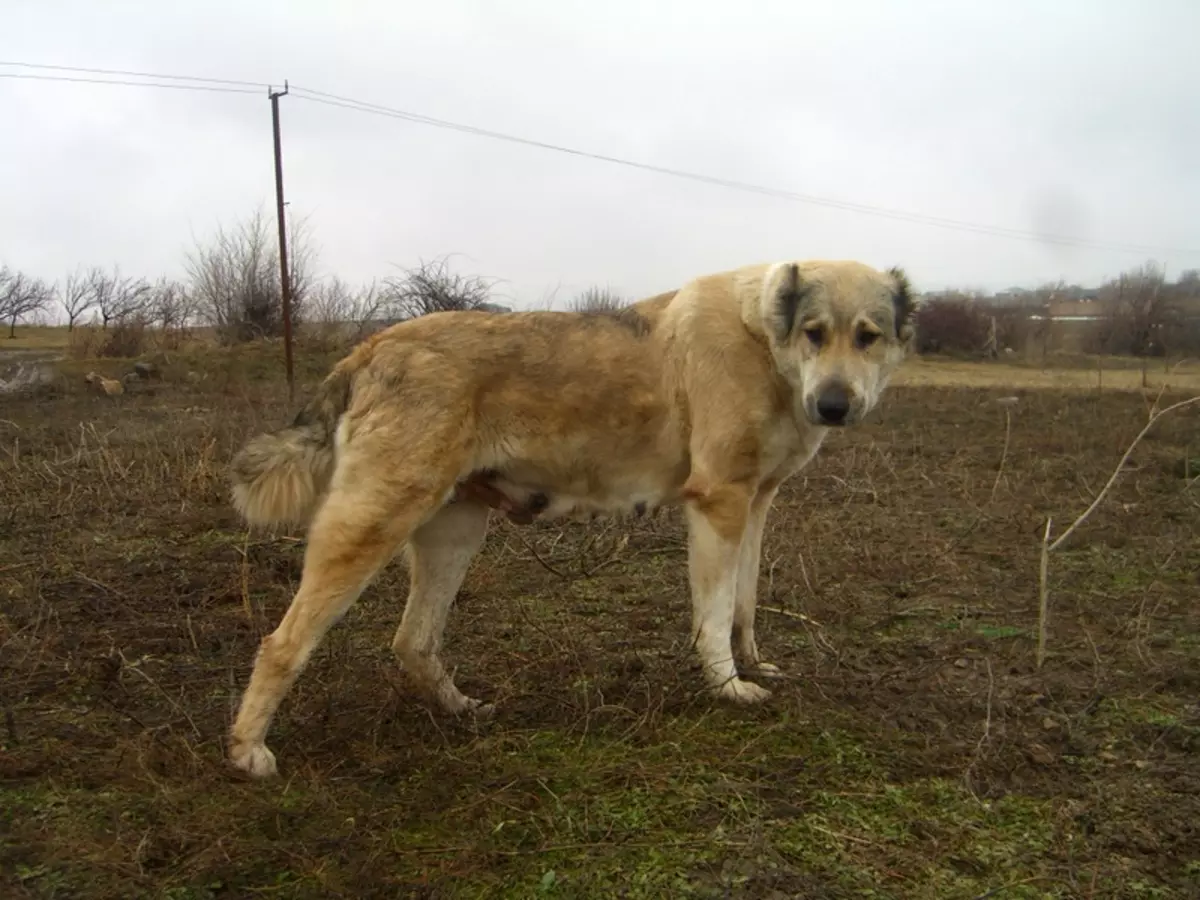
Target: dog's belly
x=595, y=468
x=527, y=498
x=587, y=507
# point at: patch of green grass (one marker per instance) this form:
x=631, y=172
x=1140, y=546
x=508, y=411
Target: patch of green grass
x=878, y=834
x=646, y=818
x=995, y=632
x=1126, y=715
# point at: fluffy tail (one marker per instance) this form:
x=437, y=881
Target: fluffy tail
x=279, y=478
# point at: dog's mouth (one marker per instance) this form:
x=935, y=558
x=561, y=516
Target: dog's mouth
x=832, y=423
x=831, y=418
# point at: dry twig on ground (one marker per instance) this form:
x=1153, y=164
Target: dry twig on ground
x=1048, y=547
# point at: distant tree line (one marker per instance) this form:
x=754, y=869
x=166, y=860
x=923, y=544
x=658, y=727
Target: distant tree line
x=231, y=284
x=1138, y=313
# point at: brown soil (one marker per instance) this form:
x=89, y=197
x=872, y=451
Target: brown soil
x=917, y=750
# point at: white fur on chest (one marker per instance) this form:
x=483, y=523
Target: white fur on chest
x=788, y=447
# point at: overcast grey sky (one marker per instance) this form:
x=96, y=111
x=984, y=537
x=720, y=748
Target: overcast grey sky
x=1072, y=117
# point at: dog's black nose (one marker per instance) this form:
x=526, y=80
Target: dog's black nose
x=833, y=405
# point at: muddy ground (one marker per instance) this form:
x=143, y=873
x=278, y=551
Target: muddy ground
x=917, y=750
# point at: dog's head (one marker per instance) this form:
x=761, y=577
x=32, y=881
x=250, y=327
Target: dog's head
x=837, y=330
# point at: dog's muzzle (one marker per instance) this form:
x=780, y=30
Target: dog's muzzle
x=834, y=405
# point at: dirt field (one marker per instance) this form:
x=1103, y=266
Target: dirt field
x=917, y=752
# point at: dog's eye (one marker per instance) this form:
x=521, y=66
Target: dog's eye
x=866, y=338
x=816, y=334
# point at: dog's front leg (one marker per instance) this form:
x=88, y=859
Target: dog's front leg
x=744, y=645
x=717, y=519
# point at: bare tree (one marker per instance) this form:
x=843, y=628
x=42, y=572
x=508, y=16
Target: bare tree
x=1014, y=327
x=432, y=287
x=302, y=264
x=171, y=310
x=1186, y=302
x=1139, y=310
x=1045, y=298
x=102, y=287
x=76, y=297
x=235, y=278
x=338, y=314
x=117, y=297
x=21, y=295
x=329, y=302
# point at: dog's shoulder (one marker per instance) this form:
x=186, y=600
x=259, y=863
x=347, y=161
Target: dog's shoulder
x=724, y=367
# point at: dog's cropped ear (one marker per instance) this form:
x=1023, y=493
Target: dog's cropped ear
x=904, y=304
x=786, y=291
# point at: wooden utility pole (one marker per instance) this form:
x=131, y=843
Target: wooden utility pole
x=285, y=277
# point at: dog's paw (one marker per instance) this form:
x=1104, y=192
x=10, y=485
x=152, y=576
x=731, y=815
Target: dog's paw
x=478, y=711
x=765, y=670
x=254, y=759
x=742, y=692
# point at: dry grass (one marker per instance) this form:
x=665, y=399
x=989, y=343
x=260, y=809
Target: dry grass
x=35, y=337
x=1071, y=373
x=917, y=753
x=58, y=338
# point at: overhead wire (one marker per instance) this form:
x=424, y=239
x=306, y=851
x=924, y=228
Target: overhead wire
x=210, y=88
x=314, y=96
x=130, y=74
x=238, y=86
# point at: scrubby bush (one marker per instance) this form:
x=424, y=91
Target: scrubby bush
x=952, y=324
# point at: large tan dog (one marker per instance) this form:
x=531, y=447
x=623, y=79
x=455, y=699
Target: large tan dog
x=708, y=396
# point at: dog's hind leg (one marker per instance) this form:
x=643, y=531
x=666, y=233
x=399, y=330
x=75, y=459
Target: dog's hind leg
x=745, y=647
x=369, y=513
x=439, y=554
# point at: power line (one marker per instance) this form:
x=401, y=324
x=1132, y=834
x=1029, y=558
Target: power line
x=216, y=89
x=235, y=86
x=124, y=72
x=327, y=99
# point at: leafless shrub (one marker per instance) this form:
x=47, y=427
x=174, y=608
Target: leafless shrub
x=21, y=296
x=84, y=342
x=368, y=309
x=338, y=315
x=598, y=300
x=171, y=310
x=127, y=338
x=330, y=302
x=953, y=323
x=433, y=287
x=235, y=280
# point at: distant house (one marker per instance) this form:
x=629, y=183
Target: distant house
x=1073, y=311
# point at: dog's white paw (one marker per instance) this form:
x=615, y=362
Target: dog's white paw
x=743, y=692
x=479, y=711
x=764, y=670
x=254, y=759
